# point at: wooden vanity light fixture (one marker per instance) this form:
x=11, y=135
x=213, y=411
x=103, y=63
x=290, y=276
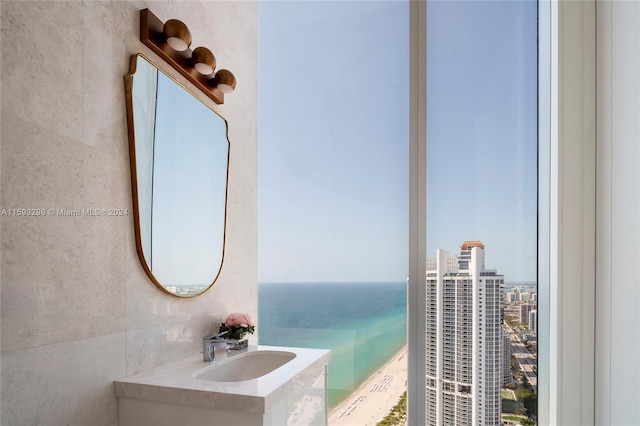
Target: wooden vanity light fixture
x=171, y=41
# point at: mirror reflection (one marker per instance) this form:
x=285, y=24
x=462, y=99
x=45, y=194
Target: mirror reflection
x=180, y=153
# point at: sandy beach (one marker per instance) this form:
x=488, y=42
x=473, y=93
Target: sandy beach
x=373, y=400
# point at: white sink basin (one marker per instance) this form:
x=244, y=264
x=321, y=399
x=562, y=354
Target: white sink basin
x=245, y=366
x=239, y=387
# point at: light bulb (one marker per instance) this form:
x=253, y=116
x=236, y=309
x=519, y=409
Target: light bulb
x=203, y=60
x=177, y=44
x=178, y=35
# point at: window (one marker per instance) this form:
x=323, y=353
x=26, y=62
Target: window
x=481, y=133
x=333, y=201
x=483, y=163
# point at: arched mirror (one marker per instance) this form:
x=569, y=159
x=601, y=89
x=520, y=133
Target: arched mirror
x=179, y=154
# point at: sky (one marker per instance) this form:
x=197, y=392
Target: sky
x=334, y=135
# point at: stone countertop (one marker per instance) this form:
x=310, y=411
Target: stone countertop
x=175, y=383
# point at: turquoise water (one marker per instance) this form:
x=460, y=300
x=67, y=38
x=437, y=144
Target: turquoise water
x=364, y=325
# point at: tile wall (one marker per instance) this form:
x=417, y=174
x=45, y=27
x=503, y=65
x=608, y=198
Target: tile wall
x=77, y=310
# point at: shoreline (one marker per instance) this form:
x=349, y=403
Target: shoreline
x=375, y=397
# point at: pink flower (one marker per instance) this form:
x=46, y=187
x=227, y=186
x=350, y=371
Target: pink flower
x=243, y=320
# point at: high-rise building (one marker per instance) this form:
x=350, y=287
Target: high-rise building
x=506, y=357
x=524, y=312
x=533, y=321
x=464, y=339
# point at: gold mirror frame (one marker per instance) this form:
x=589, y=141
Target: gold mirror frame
x=128, y=80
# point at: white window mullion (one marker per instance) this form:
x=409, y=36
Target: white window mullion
x=546, y=403
x=566, y=269
x=417, y=211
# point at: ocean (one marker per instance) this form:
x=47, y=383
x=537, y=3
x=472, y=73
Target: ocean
x=364, y=325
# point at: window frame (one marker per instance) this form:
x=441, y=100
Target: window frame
x=566, y=212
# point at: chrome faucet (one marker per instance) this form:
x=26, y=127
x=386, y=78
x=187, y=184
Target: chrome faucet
x=209, y=345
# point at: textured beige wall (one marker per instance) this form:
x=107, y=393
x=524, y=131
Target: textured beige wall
x=77, y=310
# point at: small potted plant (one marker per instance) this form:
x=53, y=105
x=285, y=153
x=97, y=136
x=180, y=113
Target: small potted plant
x=237, y=326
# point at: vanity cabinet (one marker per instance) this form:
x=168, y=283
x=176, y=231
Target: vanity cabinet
x=293, y=394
